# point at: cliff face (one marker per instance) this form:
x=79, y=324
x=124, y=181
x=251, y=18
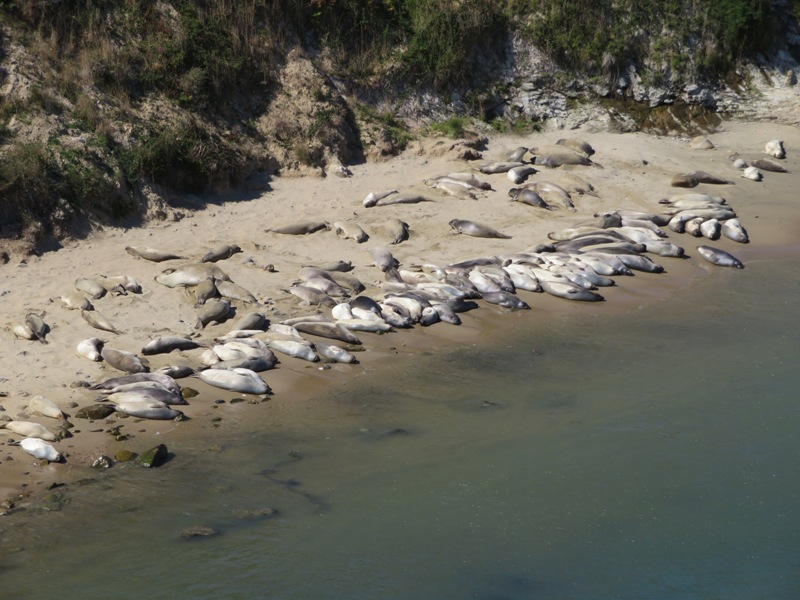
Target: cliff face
x=133, y=109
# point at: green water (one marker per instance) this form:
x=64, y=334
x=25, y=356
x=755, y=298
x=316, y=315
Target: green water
x=648, y=455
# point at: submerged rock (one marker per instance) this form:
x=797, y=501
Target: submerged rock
x=254, y=513
x=155, y=457
x=198, y=531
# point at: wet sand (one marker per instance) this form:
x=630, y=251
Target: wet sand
x=635, y=174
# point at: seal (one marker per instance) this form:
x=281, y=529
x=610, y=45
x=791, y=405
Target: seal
x=326, y=285
x=98, y=321
x=91, y=287
x=311, y=296
x=719, y=257
x=399, y=199
x=295, y=349
x=457, y=189
x=703, y=177
x=167, y=397
x=220, y=253
x=553, y=191
x=710, y=229
x=684, y=180
x=577, y=145
x=383, y=259
x=474, y=229
x=142, y=379
x=300, y=228
x=191, y=274
x=752, y=174
x=529, y=197
x=519, y=174
x=75, y=301
x=331, y=331
x=397, y=230
x=30, y=429
x=123, y=361
x=41, y=450
x=500, y=167
x=336, y=353
x=471, y=179
x=506, y=300
x=517, y=155
x=373, y=198
x=243, y=381
x=37, y=326
x=768, y=165
x=45, y=407
x=775, y=149
x=733, y=230
x=144, y=409
x=151, y=254
x=90, y=349
x=203, y=291
x=252, y=320
x=164, y=345
x=351, y=231
x=213, y=311
x=570, y=291
x=233, y=291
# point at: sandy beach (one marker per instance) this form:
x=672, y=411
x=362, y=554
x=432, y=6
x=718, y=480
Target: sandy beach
x=631, y=171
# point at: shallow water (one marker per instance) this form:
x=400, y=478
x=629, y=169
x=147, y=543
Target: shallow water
x=646, y=455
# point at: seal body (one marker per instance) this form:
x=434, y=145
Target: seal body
x=476, y=229
x=300, y=228
x=349, y=230
x=151, y=254
x=243, y=381
x=719, y=257
x=122, y=360
x=220, y=253
x=40, y=449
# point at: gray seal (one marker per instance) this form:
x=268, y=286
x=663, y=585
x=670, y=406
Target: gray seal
x=37, y=326
x=300, y=228
x=719, y=257
x=151, y=254
x=476, y=229
x=98, y=321
x=164, y=345
x=124, y=361
x=220, y=252
x=213, y=311
x=529, y=197
x=768, y=165
x=398, y=230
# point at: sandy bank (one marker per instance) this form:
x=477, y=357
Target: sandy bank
x=635, y=174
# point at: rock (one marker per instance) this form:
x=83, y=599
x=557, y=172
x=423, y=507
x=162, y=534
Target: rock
x=95, y=412
x=198, y=531
x=101, y=462
x=254, y=513
x=124, y=456
x=739, y=164
x=701, y=143
x=155, y=457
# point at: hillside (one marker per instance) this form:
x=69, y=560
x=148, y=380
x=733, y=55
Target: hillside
x=136, y=109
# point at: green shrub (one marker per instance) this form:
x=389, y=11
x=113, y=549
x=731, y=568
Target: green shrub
x=453, y=127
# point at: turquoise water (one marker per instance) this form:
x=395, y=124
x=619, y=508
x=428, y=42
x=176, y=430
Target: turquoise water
x=651, y=455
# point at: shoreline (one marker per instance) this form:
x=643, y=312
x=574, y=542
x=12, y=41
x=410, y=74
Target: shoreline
x=636, y=172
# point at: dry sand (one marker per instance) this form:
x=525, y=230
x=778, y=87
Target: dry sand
x=636, y=171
